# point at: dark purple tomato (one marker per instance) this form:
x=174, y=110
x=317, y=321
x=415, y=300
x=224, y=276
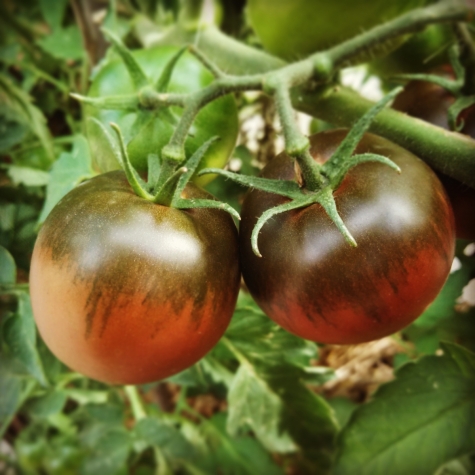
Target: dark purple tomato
x=430, y=102
x=127, y=291
x=314, y=284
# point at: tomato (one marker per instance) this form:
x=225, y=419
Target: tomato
x=219, y=118
x=315, y=285
x=430, y=102
x=292, y=29
x=127, y=291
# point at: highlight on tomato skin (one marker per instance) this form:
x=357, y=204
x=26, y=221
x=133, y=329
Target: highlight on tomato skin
x=313, y=284
x=126, y=291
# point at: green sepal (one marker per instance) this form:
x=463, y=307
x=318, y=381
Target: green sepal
x=324, y=197
x=168, y=116
x=332, y=167
x=166, y=193
x=136, y=182
x=166, y=74
x=136, y=73
x=356, y=160
x=327, y=200
x=128, y=102
x=183, y=203
x=300, y=202
x=191, y=166
x=206, y=62
x=176, y=184
x=287, y=188
x=456, y=108
x=451, y=85
x=142, y=119
x=153, y=170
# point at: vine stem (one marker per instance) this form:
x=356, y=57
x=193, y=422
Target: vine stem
x=239, y=356
x=318, y=68
x=136, y=404
x=449, y=152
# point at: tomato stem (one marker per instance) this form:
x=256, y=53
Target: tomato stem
x=342, y=107
x=136, y=404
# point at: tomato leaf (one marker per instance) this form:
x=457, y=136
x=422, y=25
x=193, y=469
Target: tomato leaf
x=253, y=404
x=109, y=450
x=67, y=172
x=7, y=267
x=156, y=432
x=27, y=176
x=64, y=43
x=14, y=390
x=460, y=104
x=404, y=428
x=19, y=333
x=241, y=455
x=21, y=105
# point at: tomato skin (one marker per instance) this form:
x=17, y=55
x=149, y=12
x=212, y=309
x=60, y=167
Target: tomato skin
x=294, y=29
x=430, y=102
x=313, y=284
x=127, y=291
x=218, y=118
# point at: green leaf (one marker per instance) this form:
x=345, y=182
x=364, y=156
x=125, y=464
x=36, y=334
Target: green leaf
x=443, y=306
x=50, y=404
x=168, y=438
x=20, y=105
x=253, y=404
x=12, y=129
x=233, y=455
x=416, y=423
x=7, y=267
x=65, y=44
x=11, y=388
x=53, y=12
x=460, y=104
x=67, y=172
x=108, y=454
x=19, y=333
x=27, y=176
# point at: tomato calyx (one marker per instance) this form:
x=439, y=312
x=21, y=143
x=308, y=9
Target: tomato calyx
x=333, y=172
x=164, y=185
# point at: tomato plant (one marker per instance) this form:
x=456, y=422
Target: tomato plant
x=219, y=118
x=134, y=278
x=128, y=291
x=430, y=102
x=310, y=281
x=296, y=29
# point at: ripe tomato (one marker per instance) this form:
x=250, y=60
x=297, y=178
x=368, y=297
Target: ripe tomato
x=312, y=283
x=127, y=291
x=219, y=118
x=430, y=102
x=292, y=29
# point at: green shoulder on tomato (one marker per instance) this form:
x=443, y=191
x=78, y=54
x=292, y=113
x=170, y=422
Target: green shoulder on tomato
x=292, y=29
x=218, y=118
